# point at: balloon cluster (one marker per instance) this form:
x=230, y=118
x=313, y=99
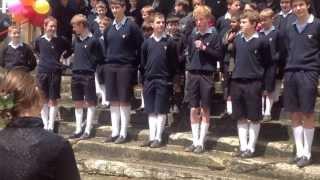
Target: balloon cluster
x=33, y=11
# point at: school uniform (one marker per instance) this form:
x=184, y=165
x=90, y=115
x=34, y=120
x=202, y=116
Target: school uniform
x=201, y=65
x=49, y=68
x=122, y=42
x=301, y=80
x=302, y=68
x=18, y=56
x=158, y=62
x=223, y=24
x=274, y=38
x=49, y=72
x=251, y=59
x=87, y=54
x=283, y=20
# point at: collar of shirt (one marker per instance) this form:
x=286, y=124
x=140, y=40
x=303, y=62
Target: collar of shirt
x=267, y=31
x=283, y=14
x=209, y=31
x=97, y=19
x=15, y=46
x=45, y=36
x=85, y=36
x=227, y=16
x=118, y=25
x=309, y=21
x=157, y=39
x=253, y=36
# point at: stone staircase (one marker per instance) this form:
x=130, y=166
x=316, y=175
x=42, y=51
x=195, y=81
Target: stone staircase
x=95, y=157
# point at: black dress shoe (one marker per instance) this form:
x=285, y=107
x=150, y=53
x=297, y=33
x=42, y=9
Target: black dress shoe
x=120, y=140
x=189, y=148
x=75, y=136
x=304, y=161
x=199, y=149
x=247, y=154
x=110, y=139
x=294, y=160
x=155, y=144
x=85, y=136
x=146, y=144
x=238, y=154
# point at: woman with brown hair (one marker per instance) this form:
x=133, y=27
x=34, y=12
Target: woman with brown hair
x=27, y=151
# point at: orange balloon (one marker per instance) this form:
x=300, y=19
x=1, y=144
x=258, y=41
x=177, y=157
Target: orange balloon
x=27, y=2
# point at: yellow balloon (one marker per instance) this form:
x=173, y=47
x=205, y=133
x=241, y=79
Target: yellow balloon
x=41, y=6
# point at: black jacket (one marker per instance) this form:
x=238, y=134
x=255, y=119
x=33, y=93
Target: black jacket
x=27, y=152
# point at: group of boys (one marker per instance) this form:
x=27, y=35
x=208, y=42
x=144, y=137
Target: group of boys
x=255, y=50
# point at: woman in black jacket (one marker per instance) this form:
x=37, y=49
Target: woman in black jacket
x=27, y=152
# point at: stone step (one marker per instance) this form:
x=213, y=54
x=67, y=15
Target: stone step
x=170, y=161
x=138, y=169
x=279, y=148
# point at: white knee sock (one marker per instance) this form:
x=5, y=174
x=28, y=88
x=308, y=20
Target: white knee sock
x=79, y=119
x=142, y=101
x=115, y=120
x=161, y=122
x=268, y=106
x=52, y=117
x=263, y=105
x=229, y=106
x=45, y=115
x=243, y=130
x=195, y=128
x=308, y=138
x=298, y=140
x=152, y=119
x=90, y=116
x=203, y=133
x=125, y=118
x=254, y=129
x=97, y=85
x=103, y=96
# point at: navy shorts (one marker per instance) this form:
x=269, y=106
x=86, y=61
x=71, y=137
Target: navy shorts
x=300, y=91
x=246, y=97
x=83, y=86
x=270, y=78
x=49, y=83
x=156, y=95
x=200, y=89
x=119, y=81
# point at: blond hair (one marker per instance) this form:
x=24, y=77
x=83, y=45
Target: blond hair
x=268, y=12
x=202, y=10
x=252, y=16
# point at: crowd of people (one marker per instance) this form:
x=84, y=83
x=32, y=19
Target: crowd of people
x=255, y=45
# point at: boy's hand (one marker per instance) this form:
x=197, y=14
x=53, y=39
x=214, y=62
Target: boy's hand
x=199, y=45
x=231, y=36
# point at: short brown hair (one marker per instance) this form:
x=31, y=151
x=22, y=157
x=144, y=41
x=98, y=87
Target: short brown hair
x=79, y=19
x=22, y=86
x=202, y=10
x=157, y=15
x=268, y=12
x=148, y=9
x=308, y=2
x=13, y=27
x=252, y=16
x=118, y=2
x=101, y=4
x=230, y=2
x=49, y=19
